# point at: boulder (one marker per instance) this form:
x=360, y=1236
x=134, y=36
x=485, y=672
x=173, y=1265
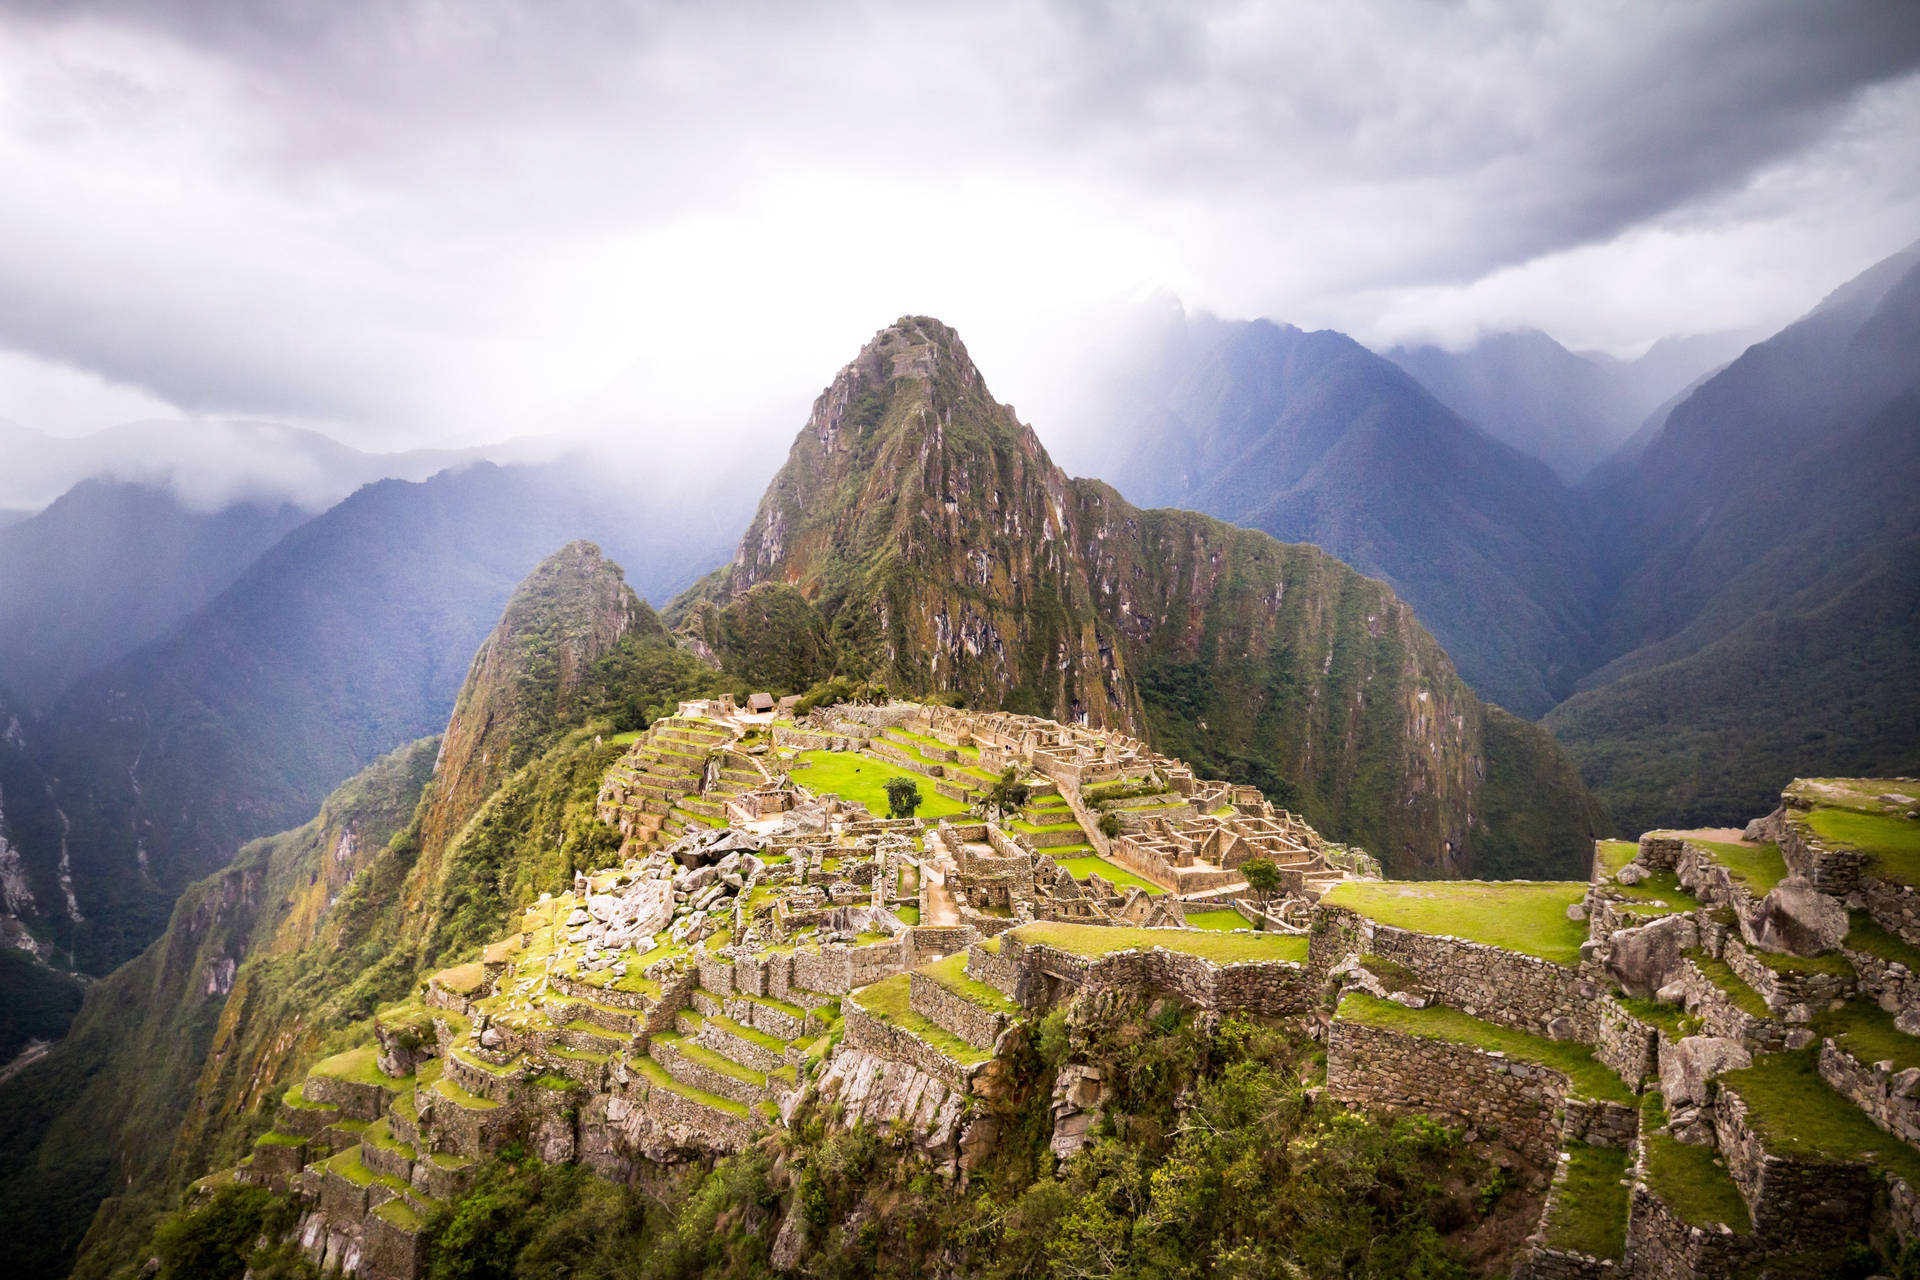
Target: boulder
x=1576, y=911
x=1796, y=918
x=578, y=918
x=1632, y=873
x=1687, y=1065
x=1645, y=959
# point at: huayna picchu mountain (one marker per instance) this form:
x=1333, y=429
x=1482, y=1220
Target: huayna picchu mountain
x=945, y=553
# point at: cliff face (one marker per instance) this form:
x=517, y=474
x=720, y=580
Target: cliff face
x=948, y=553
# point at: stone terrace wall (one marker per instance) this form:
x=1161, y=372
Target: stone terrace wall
x=1271, y=987
x=1390, y=1070
x=1520, y=991
x=978, y=1026
x=864, y=1031
x=1884, y=1095
x=1625, y=1043
x=996, y=970
x=1660, y=1246
x=1892, y=986
x=1797, y=1204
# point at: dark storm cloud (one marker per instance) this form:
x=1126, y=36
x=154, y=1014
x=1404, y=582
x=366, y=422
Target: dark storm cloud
x=425, y=215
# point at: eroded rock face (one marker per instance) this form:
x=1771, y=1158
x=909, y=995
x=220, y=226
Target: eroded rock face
x=879, y=1091
x=1686, y=1066
x=1643, y=960
x=1797, y=918
x=1078, y=1092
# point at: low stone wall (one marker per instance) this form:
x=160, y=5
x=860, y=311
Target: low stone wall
x=1391, y=1071
x=1659, y=853
x=994, y=969
x=1797, y=1204
x=931, y=941
x=389, y=1252
x=1839, y=872
x=1598, y=1123
x=979, y=1027
x=1895, y=906
x=1720, y=1016
x=1514, y=990
x=864, y=1031
x=1892, y=986
x=1272, y=987
x=1626, y=1044
x=1543, y=1262
x=1660, y=1246
x=1887, y=1097
x=1794, y=996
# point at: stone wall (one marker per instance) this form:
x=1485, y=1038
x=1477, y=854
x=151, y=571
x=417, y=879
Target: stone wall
x=1894, y=987
x=978, y=1026
x=1660, y=1246
x=1836, y=871
x=1720, y=1016
x=1391, y=1071
x=1625, y=1043
x=1793, y=995
x=1887, y=1097
x=931, y=941
x=1797, y=1204
x=864, y=1031
x=1895, y=906
x=996, y=970
x=1514, y=990
x=1272, y=987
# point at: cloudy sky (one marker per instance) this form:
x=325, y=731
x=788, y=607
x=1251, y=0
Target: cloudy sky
x=414, y=223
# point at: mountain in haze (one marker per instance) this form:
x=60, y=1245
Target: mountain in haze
x=210, y=463
x=945, y=552
x=1313, y=438
x=1570, y=410
x=349, y=636
x=1761, y=569
x=109, y=567
x=422, y=853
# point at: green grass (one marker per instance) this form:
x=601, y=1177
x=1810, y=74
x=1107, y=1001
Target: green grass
x=1221, y=948
x=1591, y=1078
x=460, y=1097
x=887, y=1001
x=1228, y=919
x=1866, y=934
x=1614, y=854
x=1670, y=1018
x=1894, y=843
x=1798, y=1114
x=1036, y=829
x=296, y=1097
x=862, y=780
x=716, y=1062
x=1659, y=894
x=357, y=1065
x=1590, y=1214
x=275, y=1138
x=908, y=915
x=753, y=1035
x=1866, y=1031
x=1758, y=866
x=951, y=973
x=1732, y=983
x=1780, y=962
x=1115, y=874
x=1688, y=1178
x=1518, y=915
x=398, y=1212
x=347, y=1165
x=625, y=739
x=656, y=1075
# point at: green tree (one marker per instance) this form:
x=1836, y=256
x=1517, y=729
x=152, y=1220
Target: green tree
x=1110, y=825
x=903, y=797
x=1262, y=876
x=1005, y=793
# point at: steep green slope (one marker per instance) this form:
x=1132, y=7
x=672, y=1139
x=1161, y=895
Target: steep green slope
x=1766, y=601
x=284, y=955
x=947, y=554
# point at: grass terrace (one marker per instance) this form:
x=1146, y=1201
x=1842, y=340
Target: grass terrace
x=1669, y=1018
x=887, y=1001
x=1891, y=840
x=1735, y=987
x=1112, y=872
x=1221, y=948
x=1659, y=894
x=360, y=1066
x=862, y=780
x=1798, y=1114
x=1219, y=920
x=656, y=1075
x=1591, y=1078
x=1611, y=855
x=951, y=973
x=1590, y=1214
x=1866, y=934
x=1867, y=1031
x=1528, y=916
x=1692, y=1180
x=1758, y=866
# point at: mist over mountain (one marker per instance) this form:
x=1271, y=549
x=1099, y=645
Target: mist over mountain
x=348, y=637
x=1571, y=410
x=1313, y=438
x=1763, y=574
x=108, y=567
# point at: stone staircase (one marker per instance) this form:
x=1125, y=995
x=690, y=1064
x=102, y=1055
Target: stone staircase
x=674, y=779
